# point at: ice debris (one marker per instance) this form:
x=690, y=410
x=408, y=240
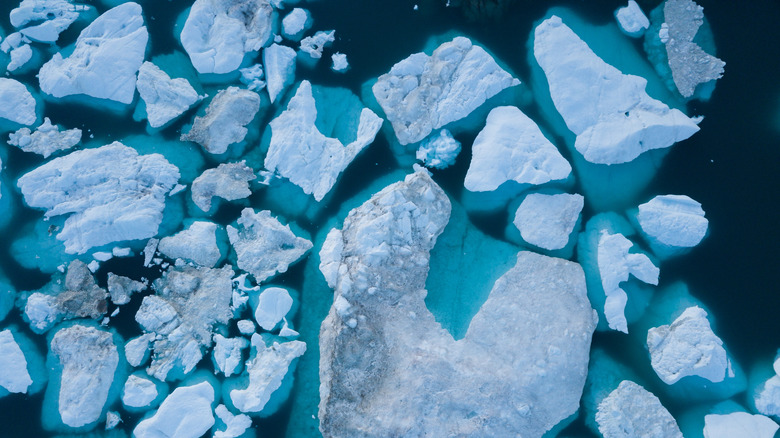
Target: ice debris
x=688, y=347
x=225, y=120
x=252, y=77
x=165, y=98
x=279, y=64
x=46, y=140
x=632, y=411
x=185, y=413
x=217, y=33
x=439, y=151
x=107, y=56
x=766, y=396
x=309, y=159
x=264, y=247
x=197, y=243
x=14, y=376
x=111, y=194
x=631, y=19
x=739, y=424
x=137, y=349
x=547, y=221
x=18, y=103
x=512, y=148
x=614, y=118
x=422, y=93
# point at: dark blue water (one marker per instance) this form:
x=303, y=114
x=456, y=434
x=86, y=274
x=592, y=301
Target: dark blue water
x=731, y=166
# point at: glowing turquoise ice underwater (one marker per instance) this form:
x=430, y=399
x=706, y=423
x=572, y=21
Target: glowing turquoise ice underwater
x=729, y=166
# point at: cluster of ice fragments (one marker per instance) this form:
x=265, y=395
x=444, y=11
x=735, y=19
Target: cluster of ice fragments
x=386, y=366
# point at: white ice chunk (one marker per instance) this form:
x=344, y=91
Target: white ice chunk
x=673, y=220
x=265, y=247
x=631, y=19
x=46, y=140
x=139, y=391
x=14, y=376
x=439, y=150
x=186, y=413
x=279, y=62
x=340, y=63
x=225, y=120
x=547, y=220
x=236, y=424
x=136, y=349
x=246, y=327
x=218, y=33
x=631, y=411
x=107, y=56
x=273, y=305
x=300, y=152
x=296, y=23
x=511, y=147
x=314, y=45
x=48, y=17
x=423, y=93
x=165, y=98
x=197, y=243
x=615, y=264
x=227, y=353
x=19, y=57
x=739, y=424
x=252, y=77
x=111, y=194
x=687, y=347
x=121, y=288
x=112, y=420
x=614, y=119
x=229, y=181
x=18, y=103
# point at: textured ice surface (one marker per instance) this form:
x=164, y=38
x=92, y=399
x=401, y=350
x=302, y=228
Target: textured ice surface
x=295, y=23
x=136, y=349
x=225, y=120
x=273, y=304
x=279, y=62
x=218, y=33
x=688, y=347
x=614, y=119
x=340, y=63
x=46, y=139
x=631, y=19
x=512, y=148
x=235, y=425
x=315, y=44
x=107, y=56
x=739, y=424
x=88, y=359
x=671, y=222
x=423, y=93
x=139, y=391
x=121, y=288
x=186, y=413
x=18, y=103
x=197, y=243
x=548, y=220
x=165, y=98
x=229, y=181
x=632, y=411
x=46, y=18
x=616, y=263
x=264, y=247
x=307, y=157
x=377, y=265
x=439, y=150
x=228, y=353
x=766, y=395
x=111, y=194
x=14, y=376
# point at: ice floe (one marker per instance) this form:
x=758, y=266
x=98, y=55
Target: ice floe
x=185, y=413
x=165, y=98
x=225, y=120
x=47, y=139
x=279, y=64
x=19, y=105
x=631, y=19
x=197, y=243
x=439, y=151
x=296, y=23
x=739, y=424
x=547, y=221
x=15, y=377
x=632, y=411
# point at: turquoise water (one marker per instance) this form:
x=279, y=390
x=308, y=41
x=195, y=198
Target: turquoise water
x=730, y=166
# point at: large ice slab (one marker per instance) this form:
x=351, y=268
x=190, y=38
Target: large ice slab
x=225, y=120
x=18, y=103
x=264, y=247
x=279, y=64
x=165, y=98
x=632, y=411
x=111, y=194
x=614, y=118
x=107, y=56
x=688, y=347
x=87, y=359
x=547, y=221
x=46, y=140
x=616, y=263
x=423, y=93
x=46, y=18
x=672, y=222
x=14, y=376
x=512, y=354
x=218, y=33
x=739, y=424
x=308, y=158
x=186, y=413
x=512, y=148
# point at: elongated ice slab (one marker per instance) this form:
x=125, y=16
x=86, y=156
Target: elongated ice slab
x=18, y=103
x=186, y=413
x=14, y=376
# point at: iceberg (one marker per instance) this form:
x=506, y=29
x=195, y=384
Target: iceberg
x=273, y=305
x=229, y=181
x=224, y=122
x=512, y=148
x=19, y=51
x=111, y=194
x=308, y=158
x=315, y=44
x=185, y=413
x=19, y=105
x=439, y=151
x=340, y=63
x=765, y=396
x=688, y=347
x=137, y=349
x=546, y=221
x=264, y=247
x=296, y=23
x=197, y=244
x=46, y=18
x=46, y=140
x=671, y=223
x=165, y=98
x=15, y=378
x=121, y=288
x=279, y=64
x=739, y=424
x=218, y=33
x=632, y=20
x=632, y=411
x=235, y=425
x=252, y=77
x=510, y=359
x=228, y=353
x=140, y=392
x=613, y=117
x=105, y=60
x=423, y=93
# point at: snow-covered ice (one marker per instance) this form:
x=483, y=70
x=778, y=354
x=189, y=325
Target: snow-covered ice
x=165, y=98
x=139, y=391
x=228, y=353
x=273, y=304
x=18, y=103
x=46, y=18
x=235, y=425
x=340, y=62
x=225, y=120
x=185, y=413
x=197, y=243
x=121, y=288
x=548, y=220
x=739, y=424
x=632, y=411
x=315, y=44
x=46, y=139
x=631, y=19
x=295, y=23
x=675, y=221
x=229, y=181
x=439, y=150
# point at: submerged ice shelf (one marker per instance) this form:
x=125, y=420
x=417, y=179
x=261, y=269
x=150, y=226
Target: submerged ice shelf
x=244, y=247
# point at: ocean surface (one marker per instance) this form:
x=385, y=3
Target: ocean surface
x=731, y=167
